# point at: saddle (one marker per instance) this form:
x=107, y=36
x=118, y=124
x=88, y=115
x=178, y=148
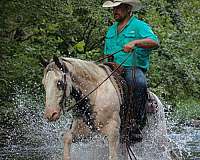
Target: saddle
x=129, y=128
x=151, y=104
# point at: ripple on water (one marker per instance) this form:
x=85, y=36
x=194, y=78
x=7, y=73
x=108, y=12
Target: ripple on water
x=187, y=139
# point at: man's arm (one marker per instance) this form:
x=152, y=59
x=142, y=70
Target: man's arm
x=143, y=43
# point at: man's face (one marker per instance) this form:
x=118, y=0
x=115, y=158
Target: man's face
x=120, y=12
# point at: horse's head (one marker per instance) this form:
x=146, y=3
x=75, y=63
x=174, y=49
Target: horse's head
x=58, y=85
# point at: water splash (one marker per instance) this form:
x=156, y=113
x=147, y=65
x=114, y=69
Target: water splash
x=30, y=136
x=29, y=133
x=186, y=138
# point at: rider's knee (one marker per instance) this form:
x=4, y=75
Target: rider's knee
x=140, y=85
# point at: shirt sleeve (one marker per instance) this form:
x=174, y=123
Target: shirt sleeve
x=145, y=31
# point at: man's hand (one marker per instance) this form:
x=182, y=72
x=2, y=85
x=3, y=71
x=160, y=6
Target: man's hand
x=129, y=47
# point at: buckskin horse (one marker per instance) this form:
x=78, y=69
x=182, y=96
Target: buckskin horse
x=98, y=105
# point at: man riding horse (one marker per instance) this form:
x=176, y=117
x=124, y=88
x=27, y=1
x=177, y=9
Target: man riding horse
x=129, y=35
x=97, y=95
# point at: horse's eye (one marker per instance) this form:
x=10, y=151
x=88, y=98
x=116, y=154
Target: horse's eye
x=60, y=85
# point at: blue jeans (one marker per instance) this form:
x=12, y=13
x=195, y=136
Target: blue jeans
x=136, y=81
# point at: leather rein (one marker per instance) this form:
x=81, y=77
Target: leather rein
x=86, y=96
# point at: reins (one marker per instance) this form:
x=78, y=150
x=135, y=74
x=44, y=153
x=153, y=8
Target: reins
x=63, y=99
x=107, y=56
x=70, y=108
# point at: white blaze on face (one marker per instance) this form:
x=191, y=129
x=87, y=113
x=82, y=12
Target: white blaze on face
x=53, y=95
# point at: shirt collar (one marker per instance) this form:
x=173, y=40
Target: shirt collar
x=130, y=20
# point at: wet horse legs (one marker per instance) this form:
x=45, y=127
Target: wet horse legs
x=67, y=145
x=79, y=128
x=112, y=133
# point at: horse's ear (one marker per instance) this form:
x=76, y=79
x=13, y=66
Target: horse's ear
x=57, y=61
x=43, y=62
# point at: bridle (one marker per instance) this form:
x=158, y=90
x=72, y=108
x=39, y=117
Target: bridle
x=64, y=70
x=63, y=87
x=62, y=84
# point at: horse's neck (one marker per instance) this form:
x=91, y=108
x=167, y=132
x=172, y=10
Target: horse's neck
x=85, y=86
x=85, y=82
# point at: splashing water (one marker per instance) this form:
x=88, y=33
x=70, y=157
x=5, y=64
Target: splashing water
x=187, y=140
x=29, y=136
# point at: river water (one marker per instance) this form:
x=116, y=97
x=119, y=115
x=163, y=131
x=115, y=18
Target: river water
x=27, y=136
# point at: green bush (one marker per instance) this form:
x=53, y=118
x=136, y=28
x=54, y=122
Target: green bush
x=30, y=29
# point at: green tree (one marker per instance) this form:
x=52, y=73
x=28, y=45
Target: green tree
x=30, y=29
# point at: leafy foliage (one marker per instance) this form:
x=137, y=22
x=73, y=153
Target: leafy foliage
x=30, y=29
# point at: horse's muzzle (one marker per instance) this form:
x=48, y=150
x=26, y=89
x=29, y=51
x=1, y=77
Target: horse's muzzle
x=52, y=113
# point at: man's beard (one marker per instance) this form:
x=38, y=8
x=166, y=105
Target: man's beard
x=120, y=18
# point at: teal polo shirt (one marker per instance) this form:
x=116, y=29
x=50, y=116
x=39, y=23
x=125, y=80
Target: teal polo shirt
x=135, y=29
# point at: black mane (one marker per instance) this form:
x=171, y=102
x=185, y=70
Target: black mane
x=83, y=108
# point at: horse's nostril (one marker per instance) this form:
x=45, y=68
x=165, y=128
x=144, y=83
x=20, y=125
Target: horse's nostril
x=54, y=115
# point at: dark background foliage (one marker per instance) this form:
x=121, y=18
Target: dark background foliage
x=29, y=29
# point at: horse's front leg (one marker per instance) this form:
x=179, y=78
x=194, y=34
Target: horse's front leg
x=67, y=144
x=113, y=140
x=78, y=129
x=112, y=133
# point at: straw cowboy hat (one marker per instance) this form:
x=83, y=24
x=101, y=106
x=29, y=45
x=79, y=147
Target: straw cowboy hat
x=136, y=4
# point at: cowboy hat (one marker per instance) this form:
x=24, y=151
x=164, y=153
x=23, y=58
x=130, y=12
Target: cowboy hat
x=136, y=4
